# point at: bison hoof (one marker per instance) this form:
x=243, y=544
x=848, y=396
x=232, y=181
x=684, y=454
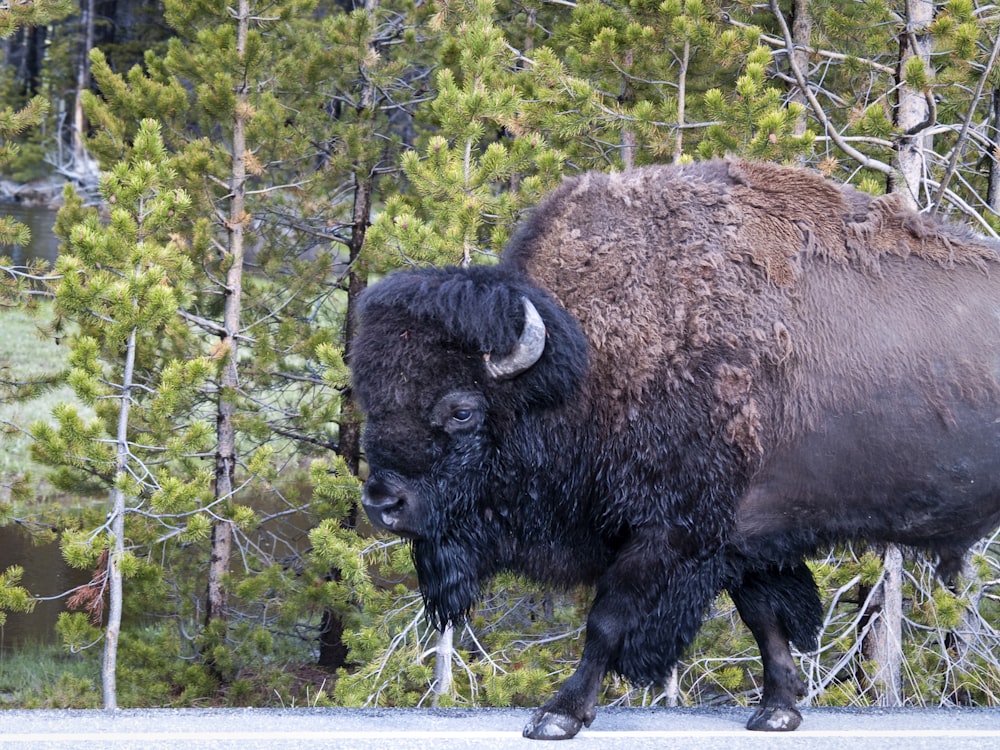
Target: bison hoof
x=775, y=719
x=548, y=725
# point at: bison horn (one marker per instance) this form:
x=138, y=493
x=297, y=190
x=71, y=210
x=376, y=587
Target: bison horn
x=527, y=350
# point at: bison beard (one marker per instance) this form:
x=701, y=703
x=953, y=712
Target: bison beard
x=451, y=574
x=449, y=592
x=735, y=365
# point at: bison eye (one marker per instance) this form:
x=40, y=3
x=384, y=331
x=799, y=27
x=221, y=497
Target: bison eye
x=459, y=412
x=461, y=415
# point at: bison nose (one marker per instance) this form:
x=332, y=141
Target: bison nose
x=389, y=506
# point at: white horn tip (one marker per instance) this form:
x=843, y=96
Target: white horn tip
x=527, y=351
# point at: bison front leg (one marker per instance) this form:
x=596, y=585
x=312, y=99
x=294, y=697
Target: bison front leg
x=779, y=605
x=647, y=609
x=575, y=705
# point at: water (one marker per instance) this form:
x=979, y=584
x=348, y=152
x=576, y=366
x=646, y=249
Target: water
x=40, y=220
x=46, y=576
x=45, y=572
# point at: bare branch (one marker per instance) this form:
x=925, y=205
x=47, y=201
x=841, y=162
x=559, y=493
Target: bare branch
x=773, y=41
x=847, y=148
x=963, y=136
x=204, y=323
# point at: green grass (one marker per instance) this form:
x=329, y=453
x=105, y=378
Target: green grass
x=27, y=354
x=46, y=676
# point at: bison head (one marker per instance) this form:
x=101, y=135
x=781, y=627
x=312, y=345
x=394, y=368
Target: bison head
x=456, y=371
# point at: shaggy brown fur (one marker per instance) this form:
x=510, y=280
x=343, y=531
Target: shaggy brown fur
x=660, y=265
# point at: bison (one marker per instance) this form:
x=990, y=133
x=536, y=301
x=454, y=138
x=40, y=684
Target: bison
x=677, y=381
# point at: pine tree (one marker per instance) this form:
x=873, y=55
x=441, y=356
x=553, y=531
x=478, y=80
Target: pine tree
x=372, y=63
x=236, y=182
x=267, y=216
x=482, y=164
x=120, y=283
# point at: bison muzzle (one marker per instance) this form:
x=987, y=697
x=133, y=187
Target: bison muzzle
x=680, y=380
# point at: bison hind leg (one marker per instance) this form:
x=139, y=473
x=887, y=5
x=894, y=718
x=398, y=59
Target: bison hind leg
x=779, y=604
x=949, y=565
x=799, y=606
x=775, y=719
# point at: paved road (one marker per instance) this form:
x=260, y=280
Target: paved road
x=492, y=729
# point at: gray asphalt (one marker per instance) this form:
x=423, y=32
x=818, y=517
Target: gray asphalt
x=495, y=729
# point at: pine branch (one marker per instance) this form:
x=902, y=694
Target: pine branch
x=299, y=437
x=777, y=43
x=863, y=159
x=964, y=134
x=204, y=323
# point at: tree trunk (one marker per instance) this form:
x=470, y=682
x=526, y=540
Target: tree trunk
x=81, y=166
x=993, y=189
x=109, y=669
x=801, y=35
x=357, y=280
x=349, y=439
x=24, y=59
x=225, y=466
x=912, y=115
x=672, y=690
x=883, y=645
x=626, y=98
x=970, y=631
x=332, y=650
x=682, y=74
x=444, y=651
